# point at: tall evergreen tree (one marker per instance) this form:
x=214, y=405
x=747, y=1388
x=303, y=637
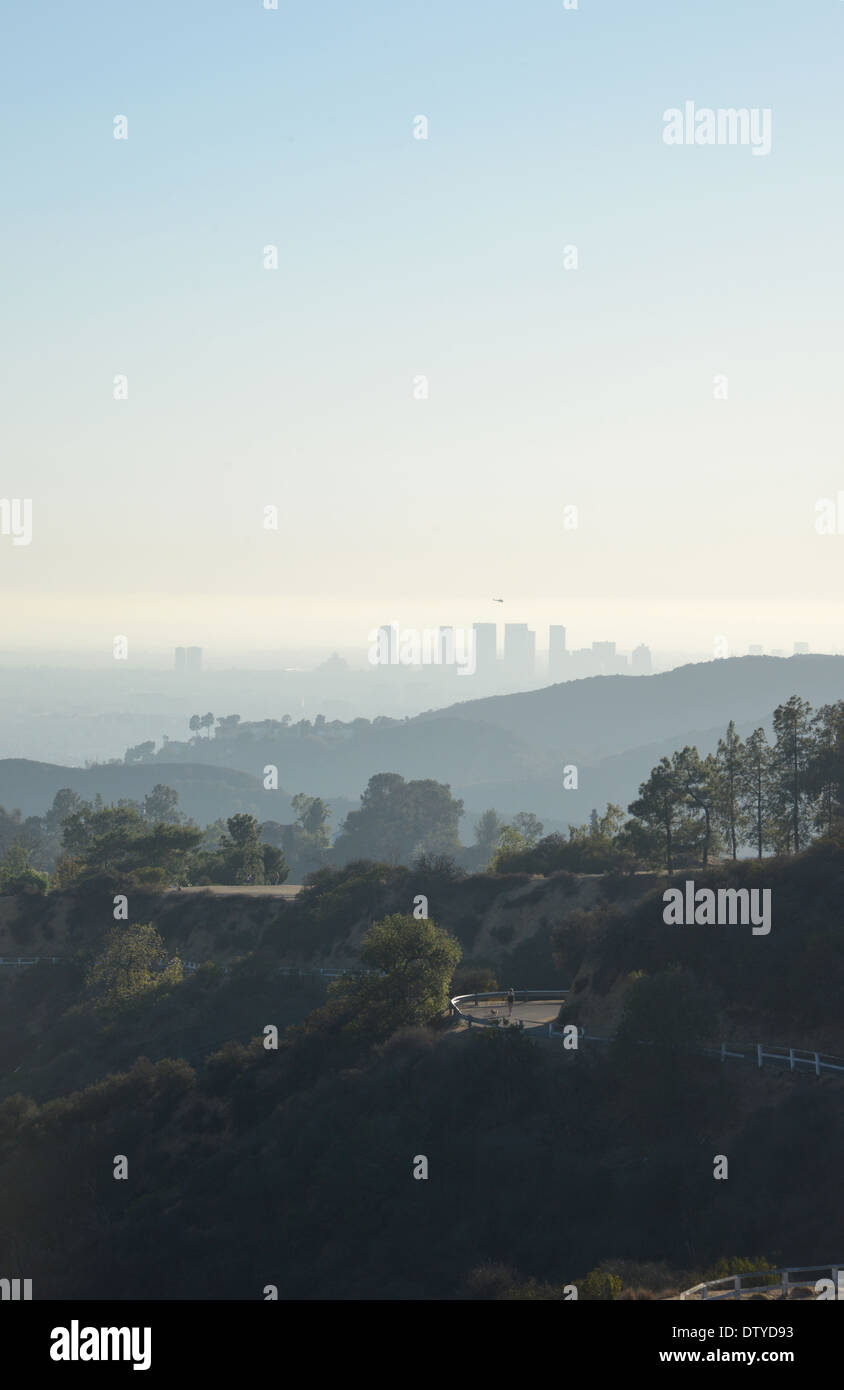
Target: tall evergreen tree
x=698, y=778
x=790, y=766
x=826, y=771
x=754, y=790
x=729, y=760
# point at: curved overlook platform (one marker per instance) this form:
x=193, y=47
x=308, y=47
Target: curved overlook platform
x=534, y=1009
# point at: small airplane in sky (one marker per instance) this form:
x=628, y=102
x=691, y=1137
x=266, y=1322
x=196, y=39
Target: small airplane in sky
x=498, y=600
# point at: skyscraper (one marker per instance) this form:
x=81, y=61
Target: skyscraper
x=486, y=648
x=193, y=659
x=640, y=660
x=519, y=652
x=556, y=652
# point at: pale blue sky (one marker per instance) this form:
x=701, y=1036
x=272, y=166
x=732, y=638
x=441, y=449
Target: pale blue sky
x=399, y=257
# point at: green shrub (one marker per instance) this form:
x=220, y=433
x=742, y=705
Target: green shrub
x=599, y=1286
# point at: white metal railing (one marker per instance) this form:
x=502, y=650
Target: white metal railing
x=525, y=995
x=793, y=1057
x=732, y=1285
x=28, y=960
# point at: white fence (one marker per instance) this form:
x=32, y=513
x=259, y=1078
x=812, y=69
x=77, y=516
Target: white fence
x=792, y=1057
x=733, y=1286
x=29, y=960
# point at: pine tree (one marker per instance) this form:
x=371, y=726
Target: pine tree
x=790, y=771
x=729, y=760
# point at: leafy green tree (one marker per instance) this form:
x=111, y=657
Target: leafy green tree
x=418, y=960
x=511, y=844
x=207, y=722
x=531, y=830
x=134, y=962
x=161, y=804
x=245, y=856
x=17, y=874
x=659, y=804
x=195, y=724
x=398, y=820
x=312, y=815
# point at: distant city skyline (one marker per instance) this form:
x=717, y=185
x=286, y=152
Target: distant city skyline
x=635, y=441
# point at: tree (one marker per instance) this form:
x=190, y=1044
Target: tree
x=418, y=960
x=161, y=805
x=119, y=839
x=659, y=803
x=227, y=725
x=530, y=829
x=244, y=852
x=511, y=843
x=754, y=790
x=312, y=815
x=207, y=722
x=487, y=830
x=133, y=962
x=697, y=778
x=141, y=753
x=729, y=764
x=398, y=820
x=17, y=874
x=790, y=765
x=195, y=724
x=826, y=766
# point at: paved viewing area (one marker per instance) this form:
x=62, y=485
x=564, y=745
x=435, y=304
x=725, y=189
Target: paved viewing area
x=491, y=1009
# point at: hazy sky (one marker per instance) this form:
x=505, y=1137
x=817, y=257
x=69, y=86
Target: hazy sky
x=401, y=257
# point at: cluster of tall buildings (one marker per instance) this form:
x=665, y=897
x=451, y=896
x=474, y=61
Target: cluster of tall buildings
x=800, y=649
x=188, y=659
x=517, y=665
x=518, y=661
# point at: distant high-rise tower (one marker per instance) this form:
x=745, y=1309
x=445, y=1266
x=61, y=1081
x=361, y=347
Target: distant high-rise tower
x=193, y=658
x=519, y=651
x=556, y=652
x=179, y=664
x=486, y=648
x=641, y=660
x=603, y=656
